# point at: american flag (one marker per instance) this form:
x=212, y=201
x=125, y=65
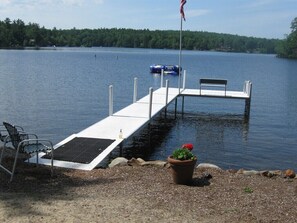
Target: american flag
x=182, y=13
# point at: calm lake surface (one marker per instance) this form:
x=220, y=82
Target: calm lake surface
x=56, y=93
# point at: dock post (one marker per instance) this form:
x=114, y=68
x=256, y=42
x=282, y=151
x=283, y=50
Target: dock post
x=183, y=102
x=166, y=99
x=150, y=102
x=167, y=90
x=135, y=90
x=247, y=108
x=184, y=80
x=162, y=77
x=110, y=100
x=248, y=90
x=175, y=107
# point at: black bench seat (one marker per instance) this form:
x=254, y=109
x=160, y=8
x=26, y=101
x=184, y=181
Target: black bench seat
x=210, y=82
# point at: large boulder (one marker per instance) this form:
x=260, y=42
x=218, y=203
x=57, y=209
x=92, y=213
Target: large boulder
x=119, y=161
x=208, y=165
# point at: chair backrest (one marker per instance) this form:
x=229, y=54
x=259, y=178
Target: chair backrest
x=14, y=134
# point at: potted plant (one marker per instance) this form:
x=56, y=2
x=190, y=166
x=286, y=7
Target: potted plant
x=182, y=163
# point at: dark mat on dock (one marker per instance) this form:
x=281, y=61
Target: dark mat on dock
x=80, y=150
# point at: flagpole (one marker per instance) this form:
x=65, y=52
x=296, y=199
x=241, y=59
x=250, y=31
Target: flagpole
x=180, y=53
x=182, y=17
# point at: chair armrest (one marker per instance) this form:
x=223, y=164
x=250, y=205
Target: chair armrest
x=29, y=135
x=26, y=135
x=46, y=146
x=31, y=141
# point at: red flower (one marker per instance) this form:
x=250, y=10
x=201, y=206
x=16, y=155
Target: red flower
x=188, y=146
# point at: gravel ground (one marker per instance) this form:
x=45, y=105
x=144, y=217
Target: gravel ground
x=144, y=194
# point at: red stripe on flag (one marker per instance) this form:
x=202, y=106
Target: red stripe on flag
x=182, y=13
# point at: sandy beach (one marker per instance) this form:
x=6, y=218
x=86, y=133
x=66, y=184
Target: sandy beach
x=144, y=194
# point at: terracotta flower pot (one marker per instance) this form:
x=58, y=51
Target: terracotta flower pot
x=182, y=170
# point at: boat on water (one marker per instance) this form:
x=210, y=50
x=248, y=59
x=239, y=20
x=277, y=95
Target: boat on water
x=167, y=69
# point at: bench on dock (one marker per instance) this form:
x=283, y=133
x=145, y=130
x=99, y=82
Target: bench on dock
x=213, y=83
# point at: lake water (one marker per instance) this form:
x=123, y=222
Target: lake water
x=56, y=93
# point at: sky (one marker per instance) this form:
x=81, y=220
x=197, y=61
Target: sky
x=257, y=18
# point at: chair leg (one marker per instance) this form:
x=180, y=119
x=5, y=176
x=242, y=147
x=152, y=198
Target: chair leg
x=1, y=156
x=2, y=152
x=37, y=157
x=52, y=162
x=14, y=165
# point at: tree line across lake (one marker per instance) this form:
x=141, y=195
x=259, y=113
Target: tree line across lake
x=17, y=34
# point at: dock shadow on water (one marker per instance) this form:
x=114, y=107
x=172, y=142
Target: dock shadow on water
x=215, y=138
x=145, y=141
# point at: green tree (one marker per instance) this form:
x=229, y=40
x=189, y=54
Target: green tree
x=288, y=48
x=17, y=34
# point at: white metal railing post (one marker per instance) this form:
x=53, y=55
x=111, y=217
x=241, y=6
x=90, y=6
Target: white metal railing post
x=110, y=100
x=250, y=88
x=150, y=102
x=184, y=80
x=167, y=88
x=162, y=77
x=135, y=90
x=245, y=86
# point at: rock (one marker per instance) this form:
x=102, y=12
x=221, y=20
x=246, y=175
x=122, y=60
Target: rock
x=290, y=173
x=207, y=175
x=119, y=161
x=271, y=173
x=267, y=174
x=232, y=171
x=248, y=172
x=135, y=162
x=154, y=163
x=208, y=165
x=277, y=172
x=141, y=162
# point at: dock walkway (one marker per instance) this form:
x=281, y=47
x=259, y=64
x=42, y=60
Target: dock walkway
x=86, y=149
x=128, y=120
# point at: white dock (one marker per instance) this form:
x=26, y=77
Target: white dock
x=129, y=120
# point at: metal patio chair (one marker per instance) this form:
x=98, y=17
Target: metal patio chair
x=24, y=143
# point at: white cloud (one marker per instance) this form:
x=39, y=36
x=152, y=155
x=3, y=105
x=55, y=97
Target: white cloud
x=4, y=2
x=42, y=3
x=73, y=2
x=196, y=13
x=81, y=2
x=259, y=3
x=98, y=1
